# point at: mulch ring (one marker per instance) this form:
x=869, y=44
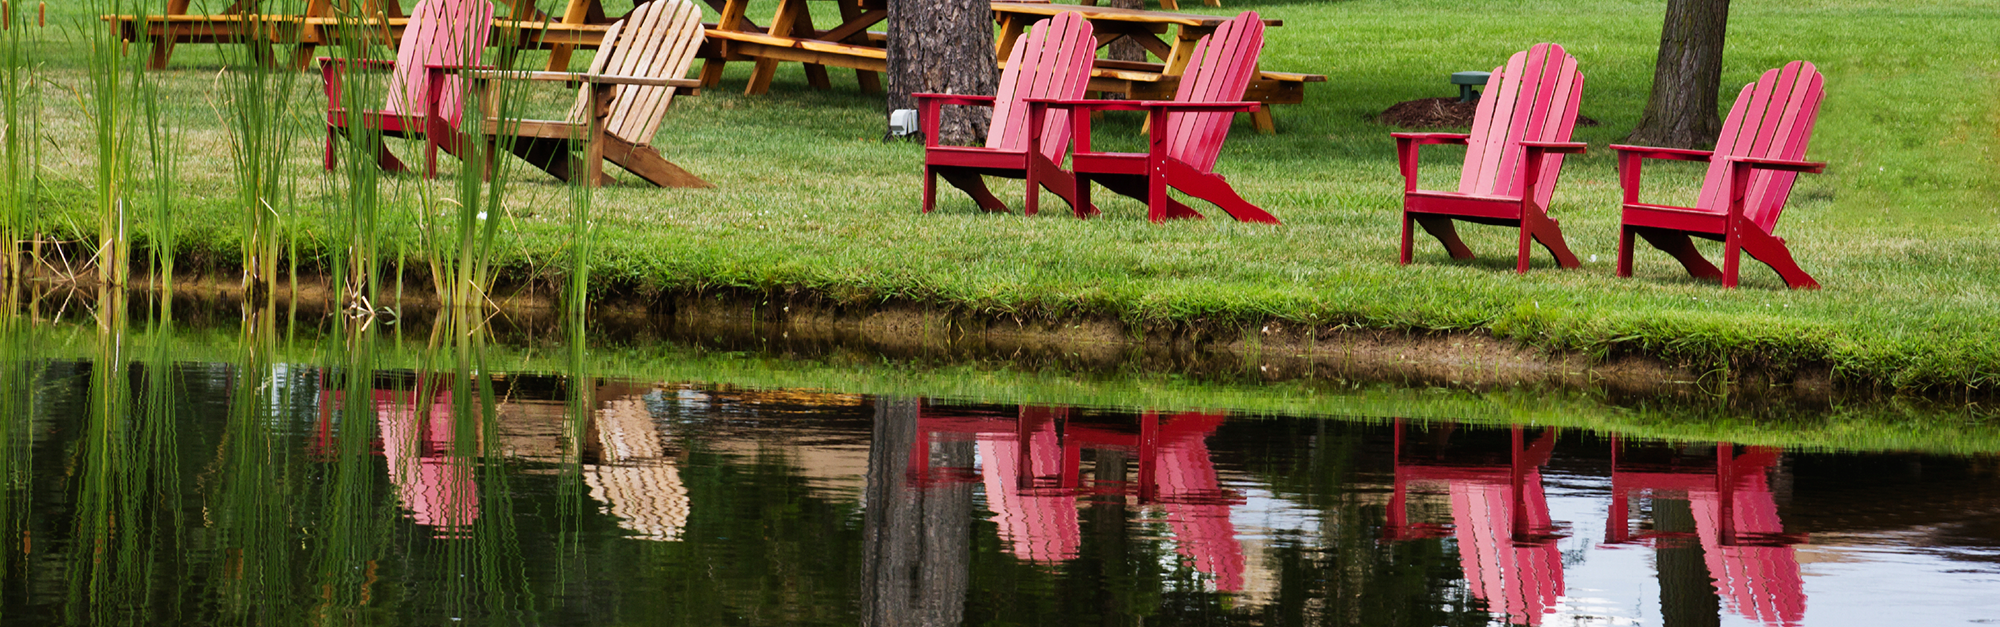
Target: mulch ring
x=1440, y=113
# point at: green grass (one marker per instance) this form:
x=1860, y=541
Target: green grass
x=1901, y=229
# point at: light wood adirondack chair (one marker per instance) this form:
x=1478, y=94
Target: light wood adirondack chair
x=1053, y=61
x=633, y=78
x=1185, y=135
x=1750, y=176
x=1519, y=136
x=440, y=32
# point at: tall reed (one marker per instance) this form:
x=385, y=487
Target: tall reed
x=114, y=90
x=359, y=199
x=263, y=111
x=461, y=230
x=20, y=113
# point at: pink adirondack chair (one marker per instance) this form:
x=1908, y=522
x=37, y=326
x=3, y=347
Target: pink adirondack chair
x=1053, y=61
x=440, y=32
x=1514, y=154
x=1750, y=176
x=1185, y=135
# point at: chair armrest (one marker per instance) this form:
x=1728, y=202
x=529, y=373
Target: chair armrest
x=1409, y=144
x=1783, y=165
x=1631, y=160
x=374, y=64
x=928, y=106
x=1431, y=138
x=1652, y=152
x=1561, y=148
x=1085, y=104
x=1200, y=107
x=574, y=78
x=332, y=71
x=952, y=99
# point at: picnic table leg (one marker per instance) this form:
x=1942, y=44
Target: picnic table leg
x=815, y=74
x=729, y=17
x=781, y=26
x=1010, y=29
x=1171, y=5
x=870, y=82
x=577, y=12
x=1261, y=118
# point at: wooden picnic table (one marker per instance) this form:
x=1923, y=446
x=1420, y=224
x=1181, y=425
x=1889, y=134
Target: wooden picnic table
x=1140, y=80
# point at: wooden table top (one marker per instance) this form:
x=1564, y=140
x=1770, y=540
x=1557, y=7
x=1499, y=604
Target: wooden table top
x=1117, y=14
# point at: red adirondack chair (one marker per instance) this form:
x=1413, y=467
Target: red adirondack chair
x=1514, y=153
x=1184, y=135
x=440, y=32
x=1750, y=176
x=1053, y=61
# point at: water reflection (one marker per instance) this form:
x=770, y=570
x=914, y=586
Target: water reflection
x=426, y=486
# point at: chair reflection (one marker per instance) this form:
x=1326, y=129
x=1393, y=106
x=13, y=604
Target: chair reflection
x=1030, y=463
x=626, y=466
x=1500, y=519
x=1749, y=558
x=436, y=486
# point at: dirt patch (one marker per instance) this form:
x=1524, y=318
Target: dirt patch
x=1440, y=113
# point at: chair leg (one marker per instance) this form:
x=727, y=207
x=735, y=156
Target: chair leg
x=1139, y=187
x=1044, y=173
x=649, y=164
x=974, y=185
x=1548, y=233
x=1447, y=234
x=332, y=136
x=1032, y=198
x=1774, y=253
x=1624, y=251
x=930, y=188
x=1403, y=253
x=1681, y=248
x=388, y=160
x=1211, y=187
x=1081, y=189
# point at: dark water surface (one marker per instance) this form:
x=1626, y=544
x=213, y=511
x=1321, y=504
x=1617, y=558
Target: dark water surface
x=184, y=484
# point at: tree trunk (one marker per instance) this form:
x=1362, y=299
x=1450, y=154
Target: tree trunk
x=945, y=47
x=1124, y=49
x=1682, y=110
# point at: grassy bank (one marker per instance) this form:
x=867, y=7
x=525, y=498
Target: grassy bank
x=1901, y=229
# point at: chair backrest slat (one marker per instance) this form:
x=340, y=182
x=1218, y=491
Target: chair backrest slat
x=1533, y=97
x=658, y=39
x=1220, y=70
x=440, y=32
x=1053, y=61
x=1772, y=119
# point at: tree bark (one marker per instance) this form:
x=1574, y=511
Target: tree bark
x=1687, y=78
x=1124, y=49
x=945, y=47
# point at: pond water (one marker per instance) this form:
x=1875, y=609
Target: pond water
x=243, y=476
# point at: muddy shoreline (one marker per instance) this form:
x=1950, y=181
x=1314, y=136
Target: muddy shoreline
x=809, y=325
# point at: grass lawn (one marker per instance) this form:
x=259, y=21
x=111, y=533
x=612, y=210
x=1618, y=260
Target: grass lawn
x=1901, y=229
